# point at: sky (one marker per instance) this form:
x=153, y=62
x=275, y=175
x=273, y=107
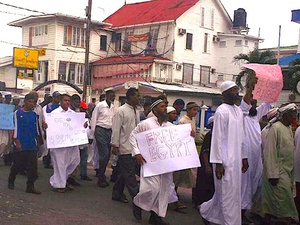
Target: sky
x=264, y=14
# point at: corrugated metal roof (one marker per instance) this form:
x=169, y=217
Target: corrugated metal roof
x=149, y=12
x=181, y=88
x=7, y=60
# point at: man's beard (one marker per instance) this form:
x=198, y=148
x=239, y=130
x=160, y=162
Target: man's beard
x=252, y=112
x=163, y=116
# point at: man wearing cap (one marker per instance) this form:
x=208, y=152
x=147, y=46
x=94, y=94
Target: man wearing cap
x=154, y=191
x=228, y=160
x=185, y=178
x=179, y=106
x=277, y=179
x=252, y=178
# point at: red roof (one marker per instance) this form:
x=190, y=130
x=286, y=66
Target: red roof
x=149, y=12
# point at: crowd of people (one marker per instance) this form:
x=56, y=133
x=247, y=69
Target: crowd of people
x=247, y=167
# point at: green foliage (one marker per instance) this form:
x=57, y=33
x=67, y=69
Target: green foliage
x=255, y=56
x=294, y=73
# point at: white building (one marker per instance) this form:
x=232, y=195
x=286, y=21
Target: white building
x=174, y=42
x=63, y=38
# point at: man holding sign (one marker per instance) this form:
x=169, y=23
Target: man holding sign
x=160, y=148
x=65, y=158
x=154, y=191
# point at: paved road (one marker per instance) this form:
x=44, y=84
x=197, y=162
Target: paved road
x=86, y=205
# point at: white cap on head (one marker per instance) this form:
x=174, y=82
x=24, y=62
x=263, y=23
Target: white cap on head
x=226, y=85
x=210, y=120
x=170, y=109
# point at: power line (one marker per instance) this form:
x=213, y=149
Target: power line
x=22, y=8
x=17, y=14
x=50, y=49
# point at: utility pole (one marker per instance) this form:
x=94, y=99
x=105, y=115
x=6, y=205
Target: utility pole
x=278, y=49
x=88, y=12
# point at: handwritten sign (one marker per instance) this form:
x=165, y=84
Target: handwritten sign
x=6, y=116
x=168, y=149
x=65, y=129
x=270, y=81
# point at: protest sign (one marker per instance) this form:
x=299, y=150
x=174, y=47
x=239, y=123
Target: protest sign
x=6, y=116
x=65, y=129
x=270, y=81
x=167, y=149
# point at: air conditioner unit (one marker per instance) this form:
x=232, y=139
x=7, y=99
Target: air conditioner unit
x=178, y=67
x=181, y=31
x=216, y=38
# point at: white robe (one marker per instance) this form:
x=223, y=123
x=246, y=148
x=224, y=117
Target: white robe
x=297, y=156
x=154, y=191
x=252, y=178
x=226, y=148
x=64, y=160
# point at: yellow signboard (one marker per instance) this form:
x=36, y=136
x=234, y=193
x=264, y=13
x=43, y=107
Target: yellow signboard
x=26, y=58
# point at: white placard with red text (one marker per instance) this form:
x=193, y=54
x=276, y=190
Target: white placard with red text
x=270, y=81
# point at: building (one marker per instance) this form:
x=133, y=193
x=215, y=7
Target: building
x=174, y=42
x=62, y=37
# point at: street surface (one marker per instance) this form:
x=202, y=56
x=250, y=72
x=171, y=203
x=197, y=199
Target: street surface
x=86, y=205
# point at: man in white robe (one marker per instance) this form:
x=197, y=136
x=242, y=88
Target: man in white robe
x=64, y=160
x=228, y=161
x=252, y=178
x=154, y=191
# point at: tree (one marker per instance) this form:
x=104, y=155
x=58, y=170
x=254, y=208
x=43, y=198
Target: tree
x=294, y=74
x=255, y=56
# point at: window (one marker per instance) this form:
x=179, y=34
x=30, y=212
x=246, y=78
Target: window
x=246, y=42
x=202, y=12
x=205, y=48
x=189, y=41
x=212, y=19
x=188, y=70
x=154, y=38
x=74, y=36
x=72, y=72
x=118, y=42
x=204, y=75
x=62, y=71
x=222, y=43
x=238, y=42
x=71, y=75
x=80, y=74
x=103, y=42
x=41, y=75
x=38, y=35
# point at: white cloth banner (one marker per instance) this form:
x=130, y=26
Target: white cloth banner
x=65, y=129
x=168, y=149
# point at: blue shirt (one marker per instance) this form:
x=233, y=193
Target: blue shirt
x=26, y=129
